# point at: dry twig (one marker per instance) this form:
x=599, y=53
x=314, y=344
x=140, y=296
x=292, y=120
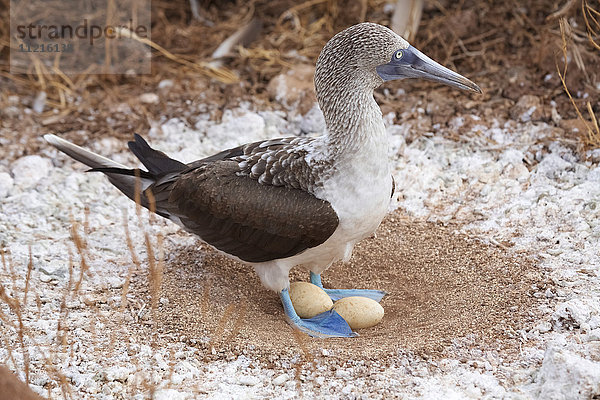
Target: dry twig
x=592, y=128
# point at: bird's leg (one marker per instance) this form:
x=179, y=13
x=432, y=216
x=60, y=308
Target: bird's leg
x=315, y=279
x=337, y=294
x=327, y=324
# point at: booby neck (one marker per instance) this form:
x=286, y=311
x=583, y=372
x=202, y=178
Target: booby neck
x=354, y=122
x=345, y=95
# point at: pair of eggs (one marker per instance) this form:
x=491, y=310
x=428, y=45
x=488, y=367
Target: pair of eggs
x=310, y=300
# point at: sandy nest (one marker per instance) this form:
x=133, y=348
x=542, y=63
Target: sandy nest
x=443, y=287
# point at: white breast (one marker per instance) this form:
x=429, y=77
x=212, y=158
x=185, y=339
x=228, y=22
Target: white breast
x=359, y=191
x=358, y=188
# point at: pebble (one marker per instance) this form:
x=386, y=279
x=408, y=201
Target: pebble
x=165, y=84
x=543, y=327
x=593, y=335
x=119, y=374
x=29, y=170
x=313, y=121
x=248, y=380
x=149, y=98
x=54, y=269
x=46, y=278
x=40, y=102
x=281, y=379
x=11, y=112
x=114, y=282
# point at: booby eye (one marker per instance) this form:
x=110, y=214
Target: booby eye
x=398, y=54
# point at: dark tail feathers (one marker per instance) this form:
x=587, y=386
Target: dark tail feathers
x=157, y=162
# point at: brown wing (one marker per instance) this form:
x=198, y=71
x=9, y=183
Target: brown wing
x=240, y=216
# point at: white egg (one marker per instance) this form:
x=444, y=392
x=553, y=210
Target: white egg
x=359, y=312
x=309, y=300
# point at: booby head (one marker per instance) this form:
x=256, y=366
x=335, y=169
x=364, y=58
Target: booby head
x=366, y=55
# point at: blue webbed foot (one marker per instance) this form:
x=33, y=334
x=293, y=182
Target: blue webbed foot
x=336, y=294
x=327, y=324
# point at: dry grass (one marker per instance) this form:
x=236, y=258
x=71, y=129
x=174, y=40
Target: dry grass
x=15, y=310
x=489, y=42
x=591, y=127
x=591, y=17
x=13, y=323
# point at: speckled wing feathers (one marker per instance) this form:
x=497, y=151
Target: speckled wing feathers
x=251, y=202
x=283, y=162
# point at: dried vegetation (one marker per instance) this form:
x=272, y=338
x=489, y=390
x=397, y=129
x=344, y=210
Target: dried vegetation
x=16, y=317
x=511, y=49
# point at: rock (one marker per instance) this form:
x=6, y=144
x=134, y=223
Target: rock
x=39, y=103
x=54, y=269
x=294, y=88
x=281, y=379
x=576, y=312
x=248, y=380
x=528, y=108
x=165, y=84
x=359, y=312
x=29, y=170
x=6, y=184
x=593, y=335
x=565, y=374
x=543, y=327
x=114, y=282
x=517, y=171
x=119, y=374
x=122, y=108
x=309, y=300
x=149, y=98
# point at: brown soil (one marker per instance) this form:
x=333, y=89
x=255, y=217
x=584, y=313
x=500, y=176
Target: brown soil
x=441, y=286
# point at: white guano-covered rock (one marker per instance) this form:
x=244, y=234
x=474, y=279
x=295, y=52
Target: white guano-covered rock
x=29, y=170
x=6, y=184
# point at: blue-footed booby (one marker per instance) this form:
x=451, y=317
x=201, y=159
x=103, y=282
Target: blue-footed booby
x=293, y=201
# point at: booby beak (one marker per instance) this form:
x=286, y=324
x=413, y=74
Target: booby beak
x=411, y=63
